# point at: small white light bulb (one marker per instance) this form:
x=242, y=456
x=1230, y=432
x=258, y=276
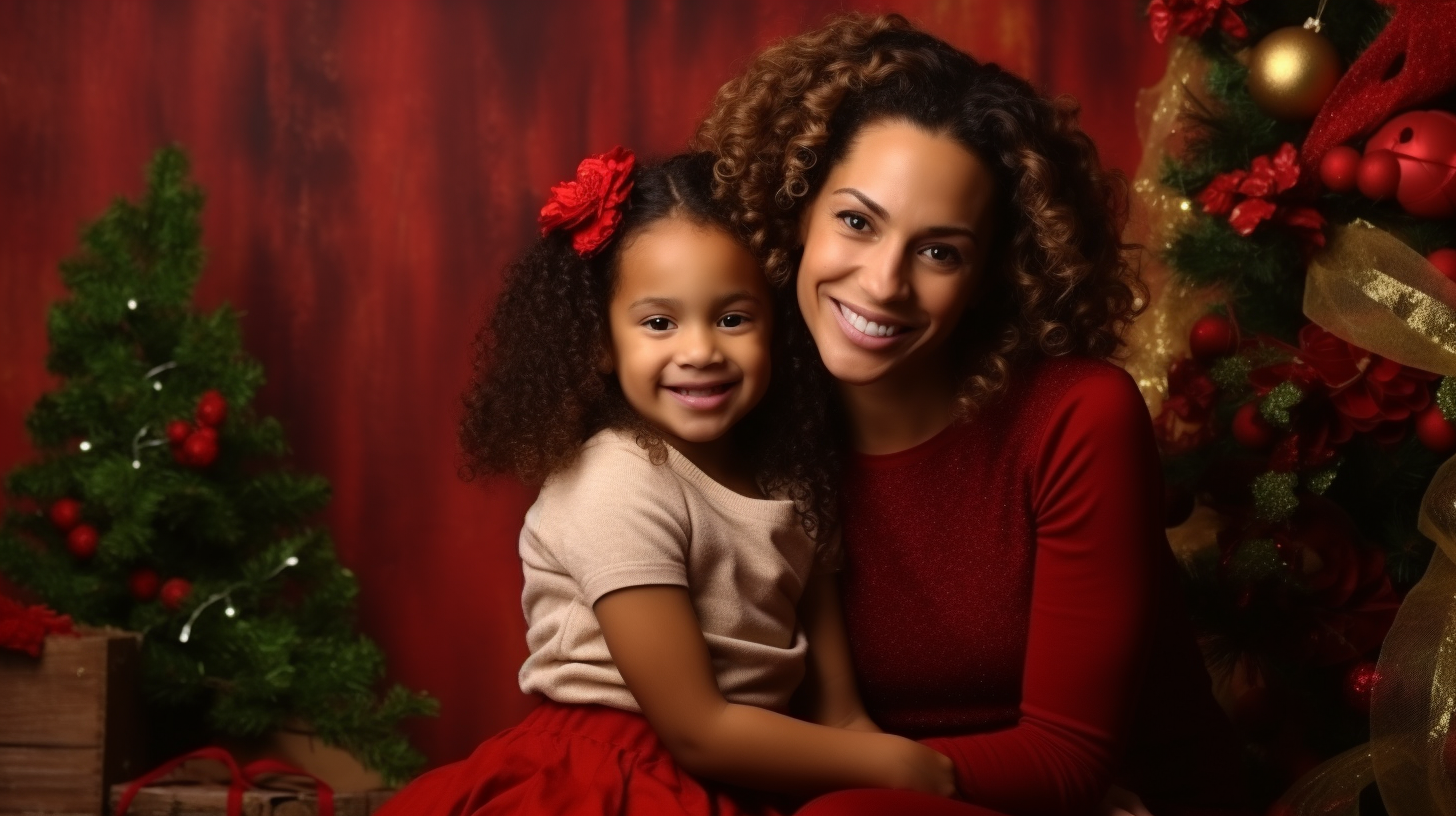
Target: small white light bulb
x=131, y=304
x=85, y=446
x=186, y=633
x=1185, y=205
x=136, y=464
x=291, y=561
x=230, y=612
x=156, y=385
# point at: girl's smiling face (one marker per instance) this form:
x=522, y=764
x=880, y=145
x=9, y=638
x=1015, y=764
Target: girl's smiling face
x=690, y=318
x=895, y=245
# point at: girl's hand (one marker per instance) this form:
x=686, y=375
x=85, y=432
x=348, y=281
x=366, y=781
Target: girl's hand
x=925, y=769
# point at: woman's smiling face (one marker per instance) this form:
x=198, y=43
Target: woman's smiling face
x=895, y=247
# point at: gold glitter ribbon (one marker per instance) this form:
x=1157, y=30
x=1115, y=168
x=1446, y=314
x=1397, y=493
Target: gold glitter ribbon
x=1370, y=289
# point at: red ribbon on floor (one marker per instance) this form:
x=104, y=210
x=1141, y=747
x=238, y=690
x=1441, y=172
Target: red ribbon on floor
x=242, y=778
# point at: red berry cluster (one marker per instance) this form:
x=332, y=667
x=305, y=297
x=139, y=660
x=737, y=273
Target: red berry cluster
x=81, y=539
x=196, y=446
x=144, y=583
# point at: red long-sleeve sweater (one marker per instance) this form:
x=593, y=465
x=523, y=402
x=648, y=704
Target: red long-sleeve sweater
x=1011, y=600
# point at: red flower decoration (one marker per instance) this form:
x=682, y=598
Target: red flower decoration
x=1192, y=18
x=25, y=627
x=590, y=206
x=1246, y=197
x=1184, y=423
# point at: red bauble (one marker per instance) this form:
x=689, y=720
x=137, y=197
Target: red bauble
x=81, y=541
x=1250, y=429
x=1337, y=168
x=211, y=409
x=65, y=514
x=143, y=583
x=1424, y=145
x=1359, y=683
x=1445, y=261
x=200, y=449
x=1379, y=174
x=174, y=593
x=177, y=431
x=1213, y=336
x=1434, y=431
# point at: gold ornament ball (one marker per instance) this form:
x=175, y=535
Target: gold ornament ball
x=1291, y=73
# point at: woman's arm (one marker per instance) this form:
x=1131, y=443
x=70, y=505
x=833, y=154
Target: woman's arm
x=655, y=640
x=829, y=692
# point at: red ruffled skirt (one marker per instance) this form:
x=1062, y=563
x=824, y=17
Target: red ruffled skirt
x=581, y=760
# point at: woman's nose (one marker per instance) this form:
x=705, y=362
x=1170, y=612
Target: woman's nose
x=885, y=275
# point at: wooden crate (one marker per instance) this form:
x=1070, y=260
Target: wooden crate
x=69, y=724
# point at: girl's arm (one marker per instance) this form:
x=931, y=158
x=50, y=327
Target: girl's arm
x=829, y=692
x=654, y=638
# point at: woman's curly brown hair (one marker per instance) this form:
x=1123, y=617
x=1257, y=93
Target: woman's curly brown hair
x=1061, y=281
x=539, y=389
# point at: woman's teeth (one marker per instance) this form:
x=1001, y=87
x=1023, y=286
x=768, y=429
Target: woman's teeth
x=869, y=327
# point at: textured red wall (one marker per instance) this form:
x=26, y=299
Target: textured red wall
x=370, y=166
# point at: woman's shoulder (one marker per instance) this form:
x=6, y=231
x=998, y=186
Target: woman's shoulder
x=1060, y=377
x=1070, y=398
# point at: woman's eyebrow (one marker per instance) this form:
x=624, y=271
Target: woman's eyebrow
x=865, y=200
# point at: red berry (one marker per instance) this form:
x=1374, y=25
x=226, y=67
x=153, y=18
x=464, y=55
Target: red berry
x=1337, y=168
x=1211, y=337
x=1445, y=261
x=1379, y=174
x=200, y=449
x=1251, y=429
x=174, y=593
x=1359, y=683
x=177, y=431
x=1434, y=431
x=211, y=408
x=143, y=583
x=66, y=513
x=81, y=541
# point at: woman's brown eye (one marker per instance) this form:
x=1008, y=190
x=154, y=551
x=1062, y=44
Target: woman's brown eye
x=858, y=223
x=942, y=254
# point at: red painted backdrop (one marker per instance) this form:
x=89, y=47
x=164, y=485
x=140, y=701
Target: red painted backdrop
x=370, y=166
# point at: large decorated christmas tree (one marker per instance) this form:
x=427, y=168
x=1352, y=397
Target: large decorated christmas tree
x=159, y=504
x=1303, y=209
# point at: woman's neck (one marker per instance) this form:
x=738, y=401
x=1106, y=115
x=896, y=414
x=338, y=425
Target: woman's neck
x=898, y=412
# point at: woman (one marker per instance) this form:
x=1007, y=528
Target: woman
x=954, y=246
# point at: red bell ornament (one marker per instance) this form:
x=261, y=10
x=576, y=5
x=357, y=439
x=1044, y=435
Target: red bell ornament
x=1250, y=429
x=1211, y=337
x=65, y=514
x=211, y=408
x=82, y=540
x=174, y=593
x=1423, y=146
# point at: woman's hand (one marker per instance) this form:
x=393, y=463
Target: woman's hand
x=1119, y=802
x=927, y=770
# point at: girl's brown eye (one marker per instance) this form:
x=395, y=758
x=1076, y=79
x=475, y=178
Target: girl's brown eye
x=658, y=323
x=732, y=321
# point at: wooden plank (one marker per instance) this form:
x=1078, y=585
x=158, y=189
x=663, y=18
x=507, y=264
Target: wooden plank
x=57, y=700
x=50, y=780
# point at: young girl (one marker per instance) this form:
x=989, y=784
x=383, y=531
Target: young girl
x=677, y=562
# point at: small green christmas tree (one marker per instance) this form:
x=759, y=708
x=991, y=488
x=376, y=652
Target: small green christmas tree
x=158, y=504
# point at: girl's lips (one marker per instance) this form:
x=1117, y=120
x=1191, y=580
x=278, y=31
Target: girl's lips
x=701, y=398
x=859, y=338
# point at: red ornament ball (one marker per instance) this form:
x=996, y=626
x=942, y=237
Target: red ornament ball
x=200, y=449
x=1337, y=169
x=211, y=409
x=1251, y=429
x=177, y=431
x=143, y=583
x=65, y=514
x=1445, y=261
x=1213, y=336
x=1434, y=431
x=81, y=541
x=1360, y=681
x=1378, y=176
x=174, y=593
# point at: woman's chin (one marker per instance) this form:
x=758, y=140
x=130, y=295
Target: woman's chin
x=853, y=366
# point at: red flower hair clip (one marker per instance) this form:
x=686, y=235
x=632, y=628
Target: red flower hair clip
x=589, y=207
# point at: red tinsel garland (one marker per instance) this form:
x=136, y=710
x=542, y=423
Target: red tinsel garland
x=24, y=628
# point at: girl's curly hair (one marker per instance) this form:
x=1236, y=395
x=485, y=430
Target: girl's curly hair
x=1060, y=278
x=539, y=388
